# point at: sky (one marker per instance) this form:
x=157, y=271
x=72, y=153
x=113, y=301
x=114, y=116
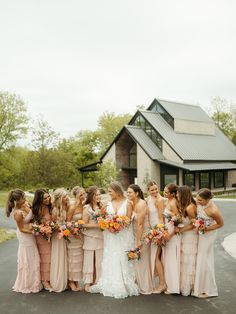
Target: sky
x=73, y=60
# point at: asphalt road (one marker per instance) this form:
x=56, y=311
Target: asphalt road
x=82, y=303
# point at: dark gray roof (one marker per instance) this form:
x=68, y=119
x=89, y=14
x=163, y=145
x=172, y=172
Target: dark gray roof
x=184, y=111
x=201, y=165
x=145, y=142
x=191, y=146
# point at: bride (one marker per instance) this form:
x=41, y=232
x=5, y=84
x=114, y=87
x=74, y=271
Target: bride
x=118, y=277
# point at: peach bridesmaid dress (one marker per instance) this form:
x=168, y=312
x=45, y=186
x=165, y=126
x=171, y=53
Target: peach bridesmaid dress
x=28, y=270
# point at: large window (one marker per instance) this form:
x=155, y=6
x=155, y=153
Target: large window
x=158, y=108
x=189, y=180
x=170, y=178
x=218, y=179
x=133, y=156
x=204, y=180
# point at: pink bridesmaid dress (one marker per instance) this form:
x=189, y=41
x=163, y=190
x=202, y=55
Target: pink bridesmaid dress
x=28, y=271
x=75, y=254
x=205, y=267
x=142, y=267
x=171, y=260
x=44, y=248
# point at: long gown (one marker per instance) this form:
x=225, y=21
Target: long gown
x=171, y=260
x=154, y=220
x=118, y=276
x=143, y=266
x=75, y=254
x=205, y=266
x=59, y=263
x=28, y=269
x=93, y=250
x=44, y=248
x=188, y=256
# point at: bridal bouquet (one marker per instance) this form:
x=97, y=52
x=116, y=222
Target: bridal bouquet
x=70, y=228
x=157, y=235
x=134, y=254
x=99, y=212
x=113, y=223
x=44, y=229
x=201, y=223
x=174, y=220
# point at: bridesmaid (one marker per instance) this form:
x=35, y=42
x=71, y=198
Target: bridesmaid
x=141, y=226
x=189, y=240
x=59, y=266
x=156, y=205
x=41, y=209
x=75, y=246
x=28, y=271
x=171, y=252
x=205, y=284
x=93, y=239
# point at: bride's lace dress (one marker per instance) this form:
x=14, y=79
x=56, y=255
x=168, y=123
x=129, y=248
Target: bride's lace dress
x=118, y=276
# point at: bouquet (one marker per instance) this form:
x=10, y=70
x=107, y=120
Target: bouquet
x=134, y=254
x=99, y=212
x=201, y=223
x=175, y=221
x=157, y=235
x=113, y=223
x=70, y=228
x=44, y=229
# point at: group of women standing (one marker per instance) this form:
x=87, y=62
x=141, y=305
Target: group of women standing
x=97, y=261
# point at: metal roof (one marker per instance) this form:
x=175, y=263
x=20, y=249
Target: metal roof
x=145, y=142
x=201, y=166
x=192, y=146
x=184, y=111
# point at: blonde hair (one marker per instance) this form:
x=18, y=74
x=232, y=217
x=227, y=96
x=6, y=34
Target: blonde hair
x=117, y=187
x=57, y=201
x=76, y=190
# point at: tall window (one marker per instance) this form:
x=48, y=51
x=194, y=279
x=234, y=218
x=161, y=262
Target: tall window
x=170, y=178
x=218, y=179
x=189, y=180
x=133, y=156
x=204, y=180
x=156, y=107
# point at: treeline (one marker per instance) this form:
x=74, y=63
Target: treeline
x=53, y=161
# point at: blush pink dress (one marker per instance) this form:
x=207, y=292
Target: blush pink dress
x=28, y=270
x=44, y=248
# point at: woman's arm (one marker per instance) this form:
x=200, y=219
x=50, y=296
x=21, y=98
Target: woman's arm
x=141, y=213
x=86, y=220
x=214, y=213
x=159, y=204
x=20, y=223
x=70, y=213
x=191, y=212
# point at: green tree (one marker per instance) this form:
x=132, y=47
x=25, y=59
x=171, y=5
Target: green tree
x=224, y=115
x=107, y=172
x=109, y=126
x=13, y=119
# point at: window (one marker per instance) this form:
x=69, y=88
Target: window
x=189, y=180
x=204, y=180
x=133, y=156
x=170, y=178
x=218, y=179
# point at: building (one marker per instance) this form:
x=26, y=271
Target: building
x=173, y=142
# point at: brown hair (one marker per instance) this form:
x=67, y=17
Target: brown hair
x=91, y=191
x=13, y=196
x=206, y=194
x=136, y=188
x=117, y=187
x=172, y=188
x=185, y=198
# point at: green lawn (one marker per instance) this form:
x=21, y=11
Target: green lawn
x=233, y=196
x=3, y=199
x=6, y=234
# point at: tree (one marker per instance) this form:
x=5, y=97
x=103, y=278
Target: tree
x=109, y=126
x=224, y=115
x=107, y=172
x=13, y=119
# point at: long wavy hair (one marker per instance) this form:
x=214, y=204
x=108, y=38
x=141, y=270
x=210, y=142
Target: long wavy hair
x=91, y=191
x=13, y=197
x=185, y=198
x=117, y=187
x=57, y=201
x=38, y=203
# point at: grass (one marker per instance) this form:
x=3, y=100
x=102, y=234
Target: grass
x=233, y=196
x=3, y=199
x=6, y=234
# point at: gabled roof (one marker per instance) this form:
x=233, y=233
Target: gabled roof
x=140, y=137
x=191, y=146
x=183, y=111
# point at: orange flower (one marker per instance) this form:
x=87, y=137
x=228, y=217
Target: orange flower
x=116, y=226
x=80, y=222
x=66, y=233
x=131, y=255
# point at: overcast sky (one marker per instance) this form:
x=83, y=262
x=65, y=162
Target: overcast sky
x=72, y=60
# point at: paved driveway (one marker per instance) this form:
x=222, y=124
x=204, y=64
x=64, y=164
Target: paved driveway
x=82, y=303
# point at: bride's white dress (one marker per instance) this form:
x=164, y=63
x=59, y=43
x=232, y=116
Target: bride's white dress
x=118, y=275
